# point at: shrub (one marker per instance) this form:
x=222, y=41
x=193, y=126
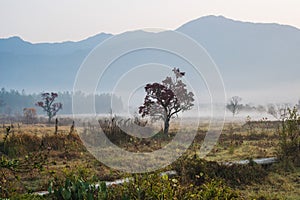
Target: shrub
x=55, y=142
x=21, y=144
x=289, y=144
x=62, y=142
x=143, y=186
x=197, y=171
x=147, y=186
x=155, y=186
x=216, y=190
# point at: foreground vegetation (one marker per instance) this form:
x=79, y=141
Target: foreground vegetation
x=42, y=158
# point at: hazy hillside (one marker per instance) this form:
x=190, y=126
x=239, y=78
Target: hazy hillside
x=249, y=54
x=43, y=66
x=18, y=46
x=252, y=58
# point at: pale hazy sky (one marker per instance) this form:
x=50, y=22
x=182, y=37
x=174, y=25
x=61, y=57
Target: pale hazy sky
x=61, y=20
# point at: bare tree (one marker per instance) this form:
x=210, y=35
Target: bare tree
x=279, y=111
x=234, y=105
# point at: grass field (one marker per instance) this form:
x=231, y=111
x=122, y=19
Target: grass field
x=34, y=157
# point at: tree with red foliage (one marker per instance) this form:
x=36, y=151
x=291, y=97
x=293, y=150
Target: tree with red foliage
x=166, y=99
x=48, y=104
x=29, y=115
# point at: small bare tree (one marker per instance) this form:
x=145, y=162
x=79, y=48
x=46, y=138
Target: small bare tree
x=279, y=111
x=234, y=105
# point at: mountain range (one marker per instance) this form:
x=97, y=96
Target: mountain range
x=258, y=61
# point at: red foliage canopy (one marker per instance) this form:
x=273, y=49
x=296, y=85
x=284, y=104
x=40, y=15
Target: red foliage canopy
x=165, y=99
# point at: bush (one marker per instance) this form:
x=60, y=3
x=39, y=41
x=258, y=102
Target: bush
x=21, y=144
x=143, y=186
x=155, y=186
x=147, y=186
x=198, y=171
x=289, y=143
x=216, y=190
x=62, y=142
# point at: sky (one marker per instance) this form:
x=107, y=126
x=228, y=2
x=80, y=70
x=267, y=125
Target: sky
x=65, y=20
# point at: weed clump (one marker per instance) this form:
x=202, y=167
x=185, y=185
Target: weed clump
x=16, y=145
x=289, y=140
x=197, y=171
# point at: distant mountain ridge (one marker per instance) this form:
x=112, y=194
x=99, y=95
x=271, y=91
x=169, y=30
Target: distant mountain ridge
x=254, y=47
x=250, y=56
x=18, y=46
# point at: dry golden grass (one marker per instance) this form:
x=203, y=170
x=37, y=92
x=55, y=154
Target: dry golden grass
x=68, y=157
x=279, y=185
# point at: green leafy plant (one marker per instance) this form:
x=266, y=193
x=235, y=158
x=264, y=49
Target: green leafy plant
x=79, y=189
x=152, y=186
x=156, y=186
x=216, y=190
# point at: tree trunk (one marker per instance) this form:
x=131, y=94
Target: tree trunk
x=49, y=116
x=167, y=124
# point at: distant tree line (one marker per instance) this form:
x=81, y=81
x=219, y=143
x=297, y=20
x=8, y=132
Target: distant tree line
x=278, y=111
x=13, y=102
